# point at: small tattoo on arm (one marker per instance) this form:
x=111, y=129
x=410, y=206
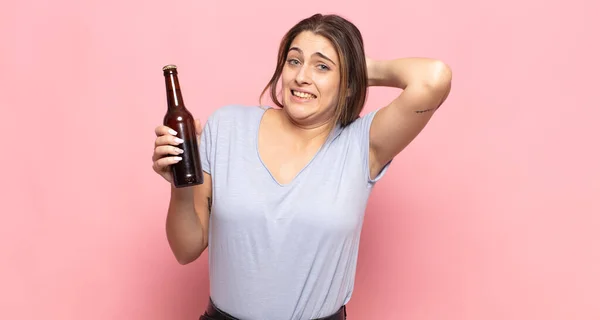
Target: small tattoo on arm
x=426, y=110
x=209, y=205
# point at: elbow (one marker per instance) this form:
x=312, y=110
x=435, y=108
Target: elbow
x=439, y=81
x=183, y=260
x=185, y=257
x=440, y=76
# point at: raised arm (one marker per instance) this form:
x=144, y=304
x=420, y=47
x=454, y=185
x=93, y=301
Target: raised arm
x=425, y=83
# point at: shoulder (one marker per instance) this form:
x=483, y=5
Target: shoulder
x=361, y=125
x=232, y=119
x=227, y=124
x=233, y=112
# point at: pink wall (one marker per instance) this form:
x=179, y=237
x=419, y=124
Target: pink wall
x=492, y=213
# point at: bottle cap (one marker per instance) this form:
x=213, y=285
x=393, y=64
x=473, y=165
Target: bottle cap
x=169, y=67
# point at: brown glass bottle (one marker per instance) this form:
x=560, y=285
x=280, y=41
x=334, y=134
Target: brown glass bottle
x=188, y=171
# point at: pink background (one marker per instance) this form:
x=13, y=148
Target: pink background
x=492, y=213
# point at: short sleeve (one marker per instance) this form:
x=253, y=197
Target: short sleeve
x=361, y=128
x=206, y=145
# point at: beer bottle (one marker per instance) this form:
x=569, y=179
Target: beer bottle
x=188, y=171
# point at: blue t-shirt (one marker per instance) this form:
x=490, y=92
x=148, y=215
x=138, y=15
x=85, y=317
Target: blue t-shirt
x=283, y=252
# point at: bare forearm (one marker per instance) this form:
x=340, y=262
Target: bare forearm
x=404, y=72
x=184, y=229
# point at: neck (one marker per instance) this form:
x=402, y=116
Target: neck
x=306, y=132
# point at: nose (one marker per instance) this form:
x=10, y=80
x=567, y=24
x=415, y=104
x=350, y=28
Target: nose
x=303, y=76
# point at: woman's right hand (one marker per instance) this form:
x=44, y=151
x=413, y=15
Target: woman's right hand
x=166, y=150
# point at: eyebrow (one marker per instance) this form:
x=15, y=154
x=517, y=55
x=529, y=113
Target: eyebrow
x=316, y=53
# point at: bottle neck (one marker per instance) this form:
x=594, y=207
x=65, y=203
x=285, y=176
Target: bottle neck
x=174, y=97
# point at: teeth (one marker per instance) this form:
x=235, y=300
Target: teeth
x=303, y=95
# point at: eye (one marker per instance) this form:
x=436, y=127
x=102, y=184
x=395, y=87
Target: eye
x=322, y=67
x=293, y=61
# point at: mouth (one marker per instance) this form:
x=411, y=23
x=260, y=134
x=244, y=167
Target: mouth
x=303, y=95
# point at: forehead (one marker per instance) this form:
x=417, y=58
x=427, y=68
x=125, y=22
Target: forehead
x=311, y=43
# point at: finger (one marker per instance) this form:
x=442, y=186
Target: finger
x=167, y=140
x=162, y=151
x=163, y=163
x=164, y=130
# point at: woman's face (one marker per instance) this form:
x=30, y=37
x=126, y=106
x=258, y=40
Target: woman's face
x=310, y=79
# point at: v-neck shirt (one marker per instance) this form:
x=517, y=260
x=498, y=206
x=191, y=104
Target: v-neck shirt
x=283, y=251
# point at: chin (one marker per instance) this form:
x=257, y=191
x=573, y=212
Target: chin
x=300, y=108
x=298, y=111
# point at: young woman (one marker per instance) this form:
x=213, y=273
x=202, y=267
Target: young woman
x=286, y=187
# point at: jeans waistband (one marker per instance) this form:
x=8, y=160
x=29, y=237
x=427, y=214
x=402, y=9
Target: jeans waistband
x=214, y=313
